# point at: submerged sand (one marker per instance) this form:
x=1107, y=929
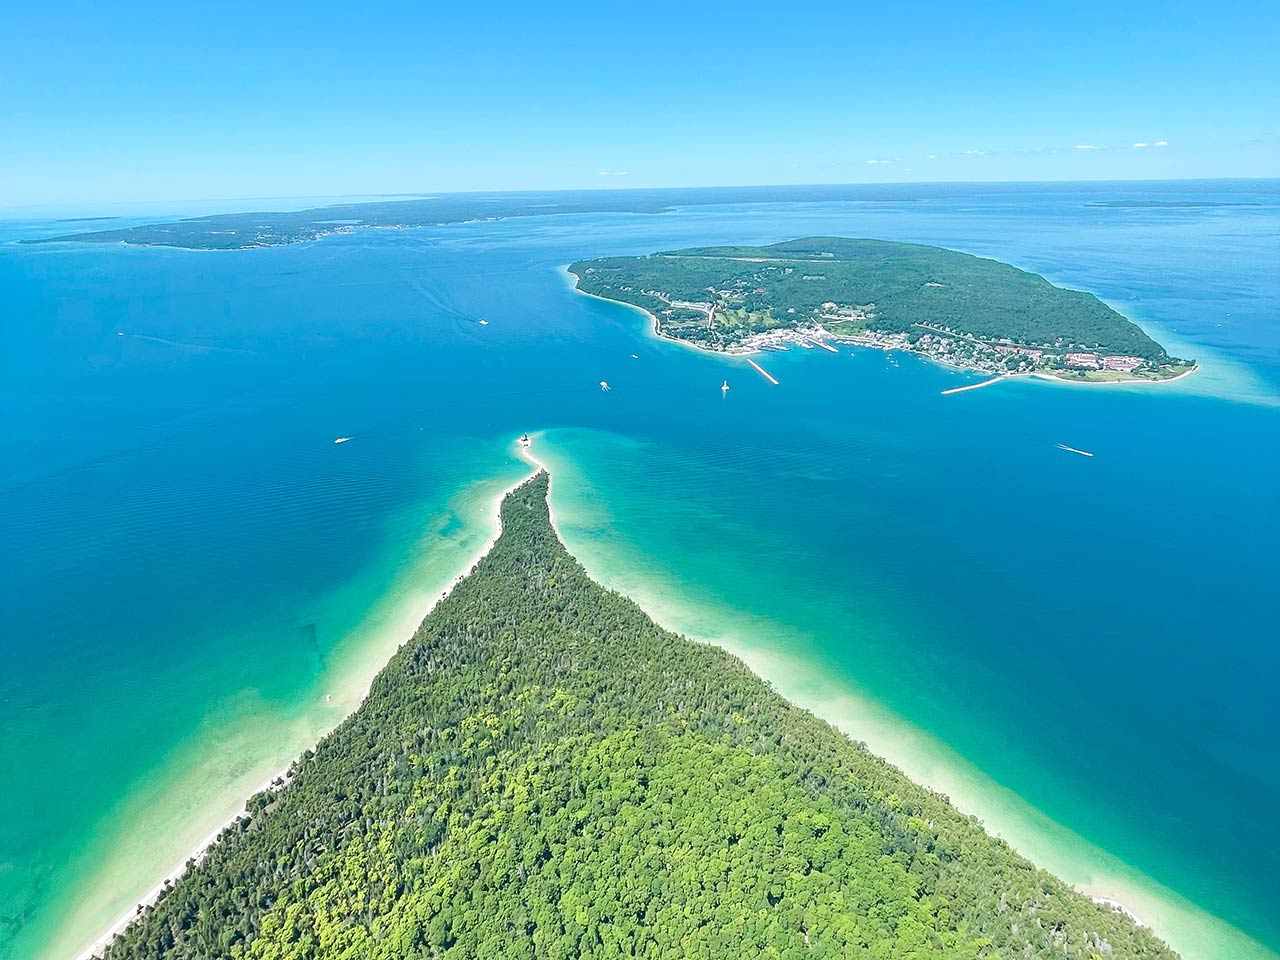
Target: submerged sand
x=215, y=799
x=1189, y=929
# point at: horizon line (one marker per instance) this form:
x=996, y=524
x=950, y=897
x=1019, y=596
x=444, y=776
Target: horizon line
x=613, y=188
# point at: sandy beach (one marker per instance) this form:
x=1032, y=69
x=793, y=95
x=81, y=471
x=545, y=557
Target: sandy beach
x=1098, y=875
x=1135, y=382
x=279, y=778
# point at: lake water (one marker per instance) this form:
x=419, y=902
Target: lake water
x=1082, y=651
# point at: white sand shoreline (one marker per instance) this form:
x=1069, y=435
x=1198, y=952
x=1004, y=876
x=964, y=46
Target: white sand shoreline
x=1102, y=894
x=281, y=777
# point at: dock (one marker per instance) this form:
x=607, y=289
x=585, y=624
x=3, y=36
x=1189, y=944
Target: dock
x=762, y=371
x=972, y=386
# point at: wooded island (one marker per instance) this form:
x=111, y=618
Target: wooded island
x=956, y=308
x=542, y=771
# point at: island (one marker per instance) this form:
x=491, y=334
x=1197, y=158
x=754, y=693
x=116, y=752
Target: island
x=958, y=309
x=542, y=771
x=276, y=228
x=254, y=230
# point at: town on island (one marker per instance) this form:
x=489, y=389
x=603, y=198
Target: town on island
x=955, y=308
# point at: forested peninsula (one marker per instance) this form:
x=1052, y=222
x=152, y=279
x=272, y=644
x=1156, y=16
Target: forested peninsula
x=959, y=309
x=544, y=772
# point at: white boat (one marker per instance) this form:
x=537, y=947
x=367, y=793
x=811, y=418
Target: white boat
x=341, y=439
x=1083, y=453
x=724, y=387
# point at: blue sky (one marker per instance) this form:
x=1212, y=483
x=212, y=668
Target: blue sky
x=139, y=101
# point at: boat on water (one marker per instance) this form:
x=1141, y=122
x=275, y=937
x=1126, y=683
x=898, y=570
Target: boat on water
x=1083, y=453
x=484, y=323
x=341, y=439
x=524, y=440
x=724, y=387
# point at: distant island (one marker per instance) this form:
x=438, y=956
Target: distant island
x=542, y=771
x=956, y=308
x=249, y=231
x=267, y=228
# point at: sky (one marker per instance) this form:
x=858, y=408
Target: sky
x=145, y=101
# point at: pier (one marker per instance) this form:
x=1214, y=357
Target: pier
x=972, y=386
x=824, y=345
x=762, y=371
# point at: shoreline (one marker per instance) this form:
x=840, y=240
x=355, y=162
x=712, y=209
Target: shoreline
x=1139, y=381
x=655, y=326
x=1046, y=844
x=280, y=778
x=770, y=650
x=854, y=722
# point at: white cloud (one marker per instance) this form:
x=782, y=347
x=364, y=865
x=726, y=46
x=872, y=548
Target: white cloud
x=879, y=161
x=933, y=156
x=1161, y=143
x=612, y=173
x=975, y=153
x=1085, y=146
x=1137, y=146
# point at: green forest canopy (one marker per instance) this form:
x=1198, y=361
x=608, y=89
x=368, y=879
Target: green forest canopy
x=544, y=772
x=908, y=283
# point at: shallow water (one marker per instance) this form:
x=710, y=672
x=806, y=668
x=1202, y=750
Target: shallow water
x=1073, y=646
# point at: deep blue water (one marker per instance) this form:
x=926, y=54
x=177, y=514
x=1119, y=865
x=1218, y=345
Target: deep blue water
x=187, y=551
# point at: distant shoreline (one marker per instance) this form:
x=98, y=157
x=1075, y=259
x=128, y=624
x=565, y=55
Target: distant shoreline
x=655, y=326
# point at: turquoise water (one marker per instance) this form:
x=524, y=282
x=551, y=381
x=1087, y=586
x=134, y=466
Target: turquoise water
x=196, y=566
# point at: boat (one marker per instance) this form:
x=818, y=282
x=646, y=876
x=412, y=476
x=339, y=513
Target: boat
x=724, y=387
x=341, y=439
x=524, y=440
x=484, y=323
x=1083, y=453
